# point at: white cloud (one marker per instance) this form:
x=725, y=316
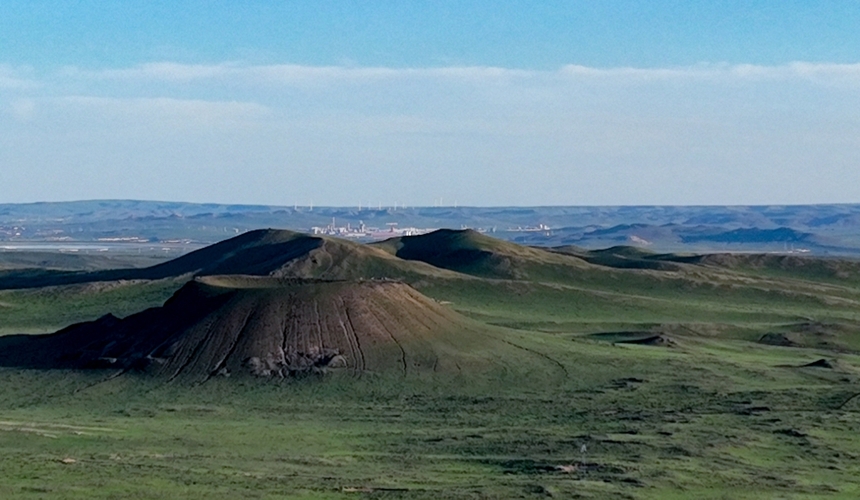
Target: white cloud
x=186, y=114
x=16, y=78
x=170, y=72
x=709, y=133
x=289, y=74
x=162, y=71
x=23, y=109
x=126, y=112
x=823, y=73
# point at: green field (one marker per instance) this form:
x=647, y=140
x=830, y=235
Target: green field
x=613, y=378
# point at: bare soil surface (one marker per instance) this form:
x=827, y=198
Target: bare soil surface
x=269, y=327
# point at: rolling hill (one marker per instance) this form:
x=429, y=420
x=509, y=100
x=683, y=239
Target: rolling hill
x=265, y=252
x=273, y=364
x=470, y=252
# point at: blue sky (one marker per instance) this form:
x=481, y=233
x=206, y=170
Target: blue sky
x=486, y=103
x=511, y=34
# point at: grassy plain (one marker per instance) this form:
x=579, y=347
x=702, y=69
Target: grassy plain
x=710, y=412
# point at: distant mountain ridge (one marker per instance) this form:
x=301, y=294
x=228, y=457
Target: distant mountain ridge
x=819, y=229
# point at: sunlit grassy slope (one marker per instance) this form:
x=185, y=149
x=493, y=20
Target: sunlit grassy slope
x=585, y=404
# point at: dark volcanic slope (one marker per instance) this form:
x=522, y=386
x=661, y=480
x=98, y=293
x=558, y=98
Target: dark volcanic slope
x=264, y=252
x=265, y=326
x=279, y=253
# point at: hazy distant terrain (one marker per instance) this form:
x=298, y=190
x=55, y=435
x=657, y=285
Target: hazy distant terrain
x=173, y=228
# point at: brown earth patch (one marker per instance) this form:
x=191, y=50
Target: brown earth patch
x=268, y=327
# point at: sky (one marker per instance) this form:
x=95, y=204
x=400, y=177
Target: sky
x=425, y=102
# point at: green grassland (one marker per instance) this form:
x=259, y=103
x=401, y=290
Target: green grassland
x=72, y=261
x=710, y=411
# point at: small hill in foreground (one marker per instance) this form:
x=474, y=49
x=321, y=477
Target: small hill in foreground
x=269, y=327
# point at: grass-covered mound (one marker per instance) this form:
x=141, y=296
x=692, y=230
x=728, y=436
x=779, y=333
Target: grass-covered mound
x=470, y=252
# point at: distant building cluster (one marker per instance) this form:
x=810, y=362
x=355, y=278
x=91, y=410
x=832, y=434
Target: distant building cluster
x=540, y=228
x=364, y=232
x=124, y=239
x=21, y=232
x=392, y=230
x=12, y=231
